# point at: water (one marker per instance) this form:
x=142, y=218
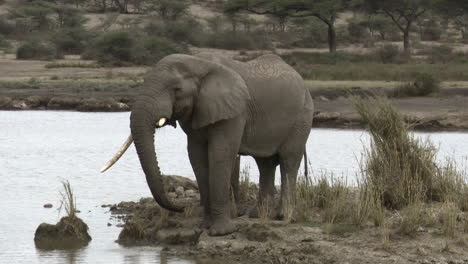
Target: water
x=39, y=149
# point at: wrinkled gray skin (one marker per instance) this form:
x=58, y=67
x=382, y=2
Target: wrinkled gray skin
x=259, y=108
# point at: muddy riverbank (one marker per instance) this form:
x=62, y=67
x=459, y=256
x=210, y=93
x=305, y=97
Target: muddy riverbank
x=268, y=241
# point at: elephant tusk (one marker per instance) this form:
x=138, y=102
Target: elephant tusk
x=162, y=121
x=119, y=154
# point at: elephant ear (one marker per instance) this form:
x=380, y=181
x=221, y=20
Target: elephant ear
x=222, y=95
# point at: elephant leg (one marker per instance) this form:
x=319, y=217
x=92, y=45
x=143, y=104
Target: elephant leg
x=290, y=154
x=266, y=197
x=198, y=156
x=223, y=146
x=235, y=179
x=289, y=166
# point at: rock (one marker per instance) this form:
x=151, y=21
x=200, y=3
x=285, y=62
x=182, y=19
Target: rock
x=323, y=98
x=260, y=233
x=106, y=105
x=180, y=191
x=171, y=182
x=109, y=224
x=5, y=102
x=123, y=107
x=68, y=233
x=48, y=205
x=19, y=105
x=190, y=193
x=172, y=195
x=33, y=101
x=327, y=115
x=63, y=103
x=178, y=236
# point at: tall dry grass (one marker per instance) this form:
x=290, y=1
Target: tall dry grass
x=397, y=166
x=68, y=200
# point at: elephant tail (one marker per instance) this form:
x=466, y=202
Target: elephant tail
x=306, y=166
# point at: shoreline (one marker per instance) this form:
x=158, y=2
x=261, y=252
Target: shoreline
x=446, y=114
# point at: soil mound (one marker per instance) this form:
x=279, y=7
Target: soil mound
x=68, y=233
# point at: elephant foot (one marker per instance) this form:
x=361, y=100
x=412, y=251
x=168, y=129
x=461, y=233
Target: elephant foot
x=222, y=227
x=206, y=222
x=253, y=212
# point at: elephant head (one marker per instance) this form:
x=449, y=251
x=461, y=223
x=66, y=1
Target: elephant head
x=192, y=90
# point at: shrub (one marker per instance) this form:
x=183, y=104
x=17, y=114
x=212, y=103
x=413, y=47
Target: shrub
x=6, y=27
x=36, y=50
x=114, y=48
x=120, y=48
x=440, y=54
x=357, y=31
x=236, y=40
x=4, y=44
x=423, y=85
x=70, y=40
x=431, y=31
x=154, y=49
x=388, y=53
x=181, y=31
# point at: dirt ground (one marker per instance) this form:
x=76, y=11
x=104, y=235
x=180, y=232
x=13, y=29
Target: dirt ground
x=268, y=241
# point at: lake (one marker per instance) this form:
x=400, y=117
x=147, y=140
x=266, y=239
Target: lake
x=40, y=149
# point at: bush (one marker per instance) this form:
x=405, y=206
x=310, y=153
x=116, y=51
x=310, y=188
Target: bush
x=431, y=31
x=4, y=44
x=440, y=54
x=311, y=33
x=302, y=59
x=236, y=40
x=154, y=49
x=36, y=50
x=388, y=53
x=120, y=48
x=357, y=31
x=114, y=48
x=424, y=84
x=6, y=27
x=70, y=40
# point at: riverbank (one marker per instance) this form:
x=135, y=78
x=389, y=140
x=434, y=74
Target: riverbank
x=333, y=109
x=268, y=241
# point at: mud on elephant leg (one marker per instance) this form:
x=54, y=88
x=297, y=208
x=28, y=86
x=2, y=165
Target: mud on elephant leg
x=198, y=156
x=222, y=151
x=289, y=166
x=266, y=198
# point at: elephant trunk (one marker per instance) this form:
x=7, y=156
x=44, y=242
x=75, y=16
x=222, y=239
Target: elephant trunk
x=143, y=135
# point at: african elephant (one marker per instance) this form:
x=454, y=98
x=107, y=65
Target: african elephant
x=226, y=107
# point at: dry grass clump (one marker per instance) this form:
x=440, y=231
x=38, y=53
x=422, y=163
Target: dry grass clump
x=326, y=192
x=397, y=166
x=68, y=202
x=448, y=217
x=399, y=171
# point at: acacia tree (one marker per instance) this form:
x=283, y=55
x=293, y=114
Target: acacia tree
x=168, y=10
x=403, y=13
x=457, y=12
x=325, y=10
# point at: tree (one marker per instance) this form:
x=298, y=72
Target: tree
x=325, y=10
x=168, y=10
x=33, y=15
x=403, y=13
x=457, y=12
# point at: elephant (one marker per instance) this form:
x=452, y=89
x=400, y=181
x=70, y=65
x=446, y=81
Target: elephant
x=226, y=108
